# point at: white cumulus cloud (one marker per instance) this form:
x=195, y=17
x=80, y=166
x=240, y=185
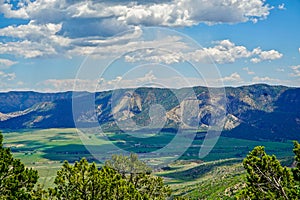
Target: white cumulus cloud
x=234, y=77
x=281, y=7
x=63, y=27
x=27, y=49
x=296, y=71
x=166, y=13
x=33, y=40
x=265, y=55
x=7, y=76
x=6, y=63
x=224, y=51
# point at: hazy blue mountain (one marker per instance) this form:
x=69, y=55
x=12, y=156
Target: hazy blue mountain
x=253, y=112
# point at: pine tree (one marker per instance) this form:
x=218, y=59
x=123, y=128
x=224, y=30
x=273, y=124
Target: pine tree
x=121, y=178
x=83, y=181
x=266, y=178
x=16, y=181
x=296, y=169
x=138, y=173
x=128, y=165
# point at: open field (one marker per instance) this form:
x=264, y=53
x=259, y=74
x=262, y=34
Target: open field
x=46, y=149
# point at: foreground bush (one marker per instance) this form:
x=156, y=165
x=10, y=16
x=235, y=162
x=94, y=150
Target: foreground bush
x=85, y=181
x=268, y=179
x=16, y=181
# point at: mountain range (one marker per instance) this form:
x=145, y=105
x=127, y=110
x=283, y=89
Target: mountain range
x=257, y=112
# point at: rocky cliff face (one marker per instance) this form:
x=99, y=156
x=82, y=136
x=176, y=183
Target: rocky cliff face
x=255, y=112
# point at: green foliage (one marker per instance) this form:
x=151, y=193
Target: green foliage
x=128, y=165
x=266, y=178
x=40, y=193
x=296, y=170
x=138, y=173
x=16, y=181
x=84, y=181
x=121, y=178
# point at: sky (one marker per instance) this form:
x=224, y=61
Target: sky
x=63, y=45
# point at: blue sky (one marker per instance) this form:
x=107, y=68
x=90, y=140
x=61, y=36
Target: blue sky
x=62, y=45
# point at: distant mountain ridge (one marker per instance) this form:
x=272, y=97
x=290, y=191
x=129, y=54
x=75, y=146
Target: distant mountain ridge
x=254, y=112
